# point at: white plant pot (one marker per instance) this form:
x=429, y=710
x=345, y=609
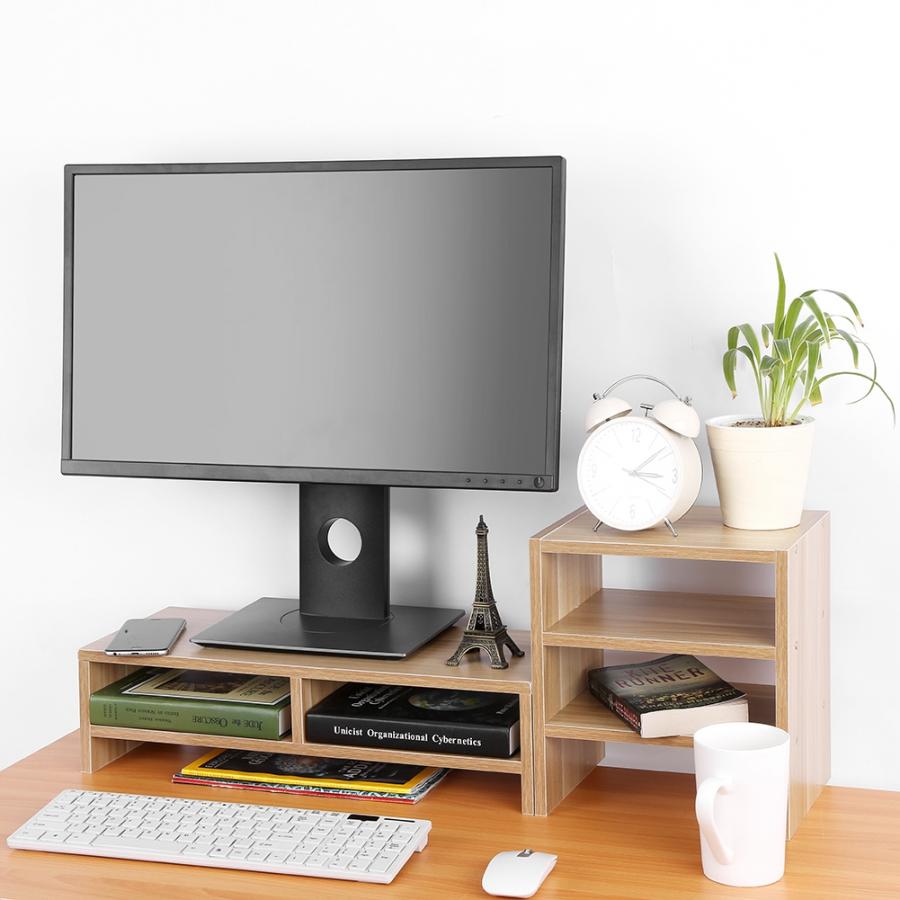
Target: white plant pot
x=760, y=472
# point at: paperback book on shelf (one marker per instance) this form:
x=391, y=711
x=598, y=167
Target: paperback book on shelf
x=194, y=702
x=476, y=723
x=224, y=687
x=322, y=776
x=671, y=695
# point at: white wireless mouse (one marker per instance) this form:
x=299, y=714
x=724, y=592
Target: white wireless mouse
x=517, y=873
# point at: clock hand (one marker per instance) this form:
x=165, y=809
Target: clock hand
x=637, y=474
x=643, y=476
x=649, y=459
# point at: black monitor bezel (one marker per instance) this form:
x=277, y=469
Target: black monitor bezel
x=547, y=480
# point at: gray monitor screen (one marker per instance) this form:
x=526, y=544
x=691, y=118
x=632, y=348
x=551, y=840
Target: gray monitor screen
x=355, y=320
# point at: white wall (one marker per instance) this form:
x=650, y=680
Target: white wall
x=700, y=136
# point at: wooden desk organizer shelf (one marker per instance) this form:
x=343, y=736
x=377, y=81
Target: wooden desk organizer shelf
x=312, y=677
x=574, y=619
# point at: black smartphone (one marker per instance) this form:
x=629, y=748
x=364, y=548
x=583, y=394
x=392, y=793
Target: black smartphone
x=146, y=637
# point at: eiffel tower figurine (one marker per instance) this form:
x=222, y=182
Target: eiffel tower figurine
x=485, y=630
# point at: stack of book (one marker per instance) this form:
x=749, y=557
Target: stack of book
x=323, y=776
x=475, y=723
x=199, y=702
x=671, y=695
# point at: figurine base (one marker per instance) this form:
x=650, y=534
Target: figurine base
x=492, y=642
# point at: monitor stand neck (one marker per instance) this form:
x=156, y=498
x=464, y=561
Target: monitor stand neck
x=337, y=588
x=344, y=607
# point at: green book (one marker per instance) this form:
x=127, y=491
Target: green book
x=204, y=703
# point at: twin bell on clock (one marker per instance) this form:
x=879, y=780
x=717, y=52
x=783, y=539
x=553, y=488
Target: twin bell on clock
x=640, y=471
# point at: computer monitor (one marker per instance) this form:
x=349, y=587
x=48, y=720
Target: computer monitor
x=348, y=326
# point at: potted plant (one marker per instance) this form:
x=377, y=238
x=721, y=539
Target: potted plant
x=761, y=461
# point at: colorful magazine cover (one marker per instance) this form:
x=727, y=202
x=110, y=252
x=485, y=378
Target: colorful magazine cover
x=308, y=771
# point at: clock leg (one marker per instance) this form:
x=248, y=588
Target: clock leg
x=597, y=526
x=671, y=527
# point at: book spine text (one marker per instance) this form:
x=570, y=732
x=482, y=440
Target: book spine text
x=429, y=737
x=186, y=716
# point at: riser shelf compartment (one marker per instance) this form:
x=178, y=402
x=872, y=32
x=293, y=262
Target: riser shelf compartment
x=312, y=678
x=585, y=718
x=669, y=622
x=576, y=618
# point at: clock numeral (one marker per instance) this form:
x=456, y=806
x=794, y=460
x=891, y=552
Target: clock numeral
x=636, y=435
x=674, y=476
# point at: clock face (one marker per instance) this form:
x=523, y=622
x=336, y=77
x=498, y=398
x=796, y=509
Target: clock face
x=629, y=473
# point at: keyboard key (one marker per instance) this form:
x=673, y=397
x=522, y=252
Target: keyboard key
x=31, y=834
x=80, y=840
x=110, y=842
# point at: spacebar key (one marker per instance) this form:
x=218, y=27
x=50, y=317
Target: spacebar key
x=105, y=841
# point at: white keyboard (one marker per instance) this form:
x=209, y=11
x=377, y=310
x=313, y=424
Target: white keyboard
x=226, y=835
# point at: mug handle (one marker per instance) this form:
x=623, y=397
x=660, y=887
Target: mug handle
x=706, y=798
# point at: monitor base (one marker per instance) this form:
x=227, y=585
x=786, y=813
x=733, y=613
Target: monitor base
x=275, y=623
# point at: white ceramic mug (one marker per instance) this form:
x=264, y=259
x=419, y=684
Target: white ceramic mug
x=742, y=791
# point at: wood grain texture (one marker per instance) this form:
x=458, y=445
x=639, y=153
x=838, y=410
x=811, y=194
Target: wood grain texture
x=558, y=585
x=312, y=690
x=313, y=677
x=587, y=719
x=426, y=667
x=526, y=753
x=512, y=764
x=669, y=622
x=97, y=751
x=802, y=585
x=573, y=614
x=701, y=535
x=622, y=834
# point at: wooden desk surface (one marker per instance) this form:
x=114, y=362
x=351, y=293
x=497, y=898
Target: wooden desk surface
x=622, y=834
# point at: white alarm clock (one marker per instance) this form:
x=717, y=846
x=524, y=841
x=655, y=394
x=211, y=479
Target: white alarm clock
x=635, y=472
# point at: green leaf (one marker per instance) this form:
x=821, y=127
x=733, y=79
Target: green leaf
x=871, y=387
x=802, y=333
x=729, y=364
x=751, y=339
x=868, y=378
x=840, y=294
x=768, y=333
x=820, y=318
x=767, y=365
x=812, y=363
x=790, y=320
x=783, y=350
x=847, y=319
x=779, y=304
x=851, y=343
x=733, y=334
x=729, y=361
